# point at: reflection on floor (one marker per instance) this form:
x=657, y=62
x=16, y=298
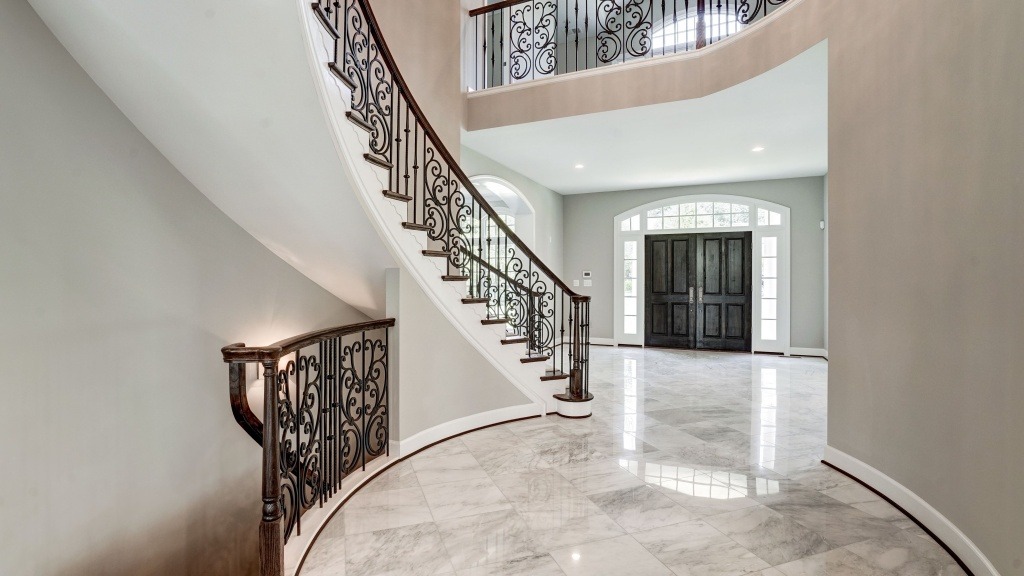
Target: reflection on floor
x=693, y=464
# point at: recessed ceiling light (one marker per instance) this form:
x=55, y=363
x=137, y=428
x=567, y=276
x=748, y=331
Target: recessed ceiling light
x=758, y=149
x=576, y=556
x=578, y=166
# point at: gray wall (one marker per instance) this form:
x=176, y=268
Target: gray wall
x=589, y=245
x=119, y=283
x=547, y=224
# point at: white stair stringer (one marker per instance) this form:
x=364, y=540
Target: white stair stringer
x=405, y=245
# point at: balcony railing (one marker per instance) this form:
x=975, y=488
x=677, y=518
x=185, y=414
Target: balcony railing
x=517, y=40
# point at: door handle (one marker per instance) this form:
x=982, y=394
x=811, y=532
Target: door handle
x=691, y=293
x=700, y=295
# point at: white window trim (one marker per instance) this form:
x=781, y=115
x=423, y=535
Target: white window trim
x=782, y=342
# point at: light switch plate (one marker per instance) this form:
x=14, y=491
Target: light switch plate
x=576, y=283
x=587, y=283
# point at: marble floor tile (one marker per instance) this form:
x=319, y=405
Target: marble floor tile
x=462, y=466
x=622, y=556
x=641, y=508
x=705, y=463
x=373, y=511
x=542, y=565
x=698, y=549
x=838, y=562
x=487, y=538
x=768, y=534
x=907, y=555
x=400, y=475
x=464, y=498
x=406, y=551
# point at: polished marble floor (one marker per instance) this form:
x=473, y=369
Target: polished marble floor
x=694, y=464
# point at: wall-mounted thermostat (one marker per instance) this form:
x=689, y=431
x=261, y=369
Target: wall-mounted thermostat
x=586, y=273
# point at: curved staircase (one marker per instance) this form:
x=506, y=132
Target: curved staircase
x=494, y=289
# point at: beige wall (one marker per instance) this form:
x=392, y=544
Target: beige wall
x=432, y=389
x=926, y=253
x=425, y=37
x=119, y=283
x=589, y=245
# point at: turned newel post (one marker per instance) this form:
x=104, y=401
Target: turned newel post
x=272, y=525
x=702, y=35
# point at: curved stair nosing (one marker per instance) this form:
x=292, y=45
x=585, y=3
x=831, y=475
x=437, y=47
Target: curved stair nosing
x=406, y=246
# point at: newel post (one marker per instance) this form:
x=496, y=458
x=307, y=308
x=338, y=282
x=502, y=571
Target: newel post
x=272, y=525
x=576, y=372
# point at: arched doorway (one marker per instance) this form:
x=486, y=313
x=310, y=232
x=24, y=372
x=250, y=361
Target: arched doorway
x=769, y=224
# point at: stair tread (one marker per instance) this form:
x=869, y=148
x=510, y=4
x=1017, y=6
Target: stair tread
x=527, y=359
x=397, y=196
x=554, y=375
x=437, y=253
x=494, y=321
x=341, y=75
x=515, y=340
x=355, y=119
x=378, y=161
x=415, y=226
x=475, y=300
x=454, y=278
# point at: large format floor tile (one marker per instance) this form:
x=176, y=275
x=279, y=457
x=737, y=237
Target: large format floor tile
x=694, y=464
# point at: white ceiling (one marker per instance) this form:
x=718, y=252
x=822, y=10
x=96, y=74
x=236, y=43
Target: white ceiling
x=700, y=141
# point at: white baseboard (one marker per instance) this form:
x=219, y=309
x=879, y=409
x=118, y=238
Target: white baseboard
x=603, y=341
x=820, y=352
x=466, y=423
x=932, y=519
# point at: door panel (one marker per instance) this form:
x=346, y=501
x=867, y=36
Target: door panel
x=669, y=313
x=699, y=293
x=724, y=307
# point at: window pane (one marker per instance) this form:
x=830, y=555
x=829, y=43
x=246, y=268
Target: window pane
x=687, y=222
x=672, y=210
x=629, y=325
x=625, y=225
x=776, y=219
x=769, y=288
x=768, y=330
x=630, y=309
x=671, y=223
x=741, y=219
x=654, y=213
x=769, y=309
x=631, y=269
x=688, y=209
x=722, y=208
x=654, y=223
x=630, y=287
x=705, y=207
x=723, y=221
x=740, y=209
x=705, y=221
x=769, y=246
x=762, y=217
x=769, y=267
x=629, y=250
x=634, y=222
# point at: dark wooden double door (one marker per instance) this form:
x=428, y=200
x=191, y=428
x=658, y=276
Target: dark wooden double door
x=698, y=292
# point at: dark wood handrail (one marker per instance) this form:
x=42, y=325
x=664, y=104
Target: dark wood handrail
x=495, y=7
x=236, y=353
x=403, y=86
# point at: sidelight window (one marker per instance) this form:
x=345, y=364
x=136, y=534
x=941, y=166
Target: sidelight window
x=769, y=287
x=630, y=280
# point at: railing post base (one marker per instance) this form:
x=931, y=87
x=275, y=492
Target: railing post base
x=272, y=547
